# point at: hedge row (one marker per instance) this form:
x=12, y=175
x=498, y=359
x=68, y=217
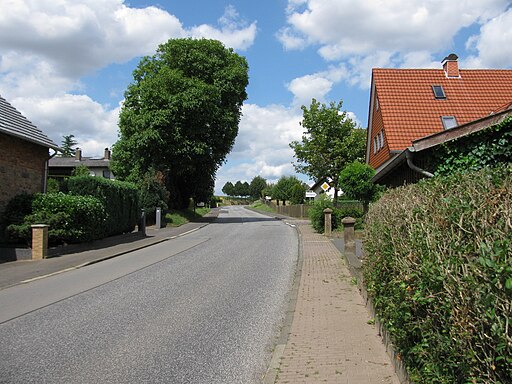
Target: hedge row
x=439, y=270
x=349, y=208
x=121, y=201
x=72, y=219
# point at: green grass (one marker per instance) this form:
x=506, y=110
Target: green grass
x=176, y=218
x=261, y=207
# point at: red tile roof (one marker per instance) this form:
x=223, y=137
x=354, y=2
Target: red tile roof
x=410, y=110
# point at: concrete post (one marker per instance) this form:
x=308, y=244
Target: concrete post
x=142, y=222
x=328, y=222
x=349, y=235
x=39, y=241
x=158, y=223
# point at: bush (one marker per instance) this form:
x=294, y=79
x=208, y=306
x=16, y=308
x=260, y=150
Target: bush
x=120, y=200
x=439, y=269
x=17, y=208
x=72, y=219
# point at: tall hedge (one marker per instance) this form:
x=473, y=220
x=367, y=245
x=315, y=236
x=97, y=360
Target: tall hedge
x=439, y=270
x=72, y=219
x=120, y=200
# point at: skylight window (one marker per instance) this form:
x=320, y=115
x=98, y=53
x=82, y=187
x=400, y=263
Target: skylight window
x=438, y=92
x=449, y=122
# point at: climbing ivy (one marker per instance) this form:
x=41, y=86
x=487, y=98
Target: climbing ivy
x=486, y=148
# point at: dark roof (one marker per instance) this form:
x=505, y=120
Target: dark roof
x=13, y=123
x=72, y=162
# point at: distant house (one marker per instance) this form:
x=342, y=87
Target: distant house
x=62, y=167
x=24, y=155
x=407, y=105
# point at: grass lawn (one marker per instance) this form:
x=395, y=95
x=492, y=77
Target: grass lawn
x=176, y=218
x=261, y=207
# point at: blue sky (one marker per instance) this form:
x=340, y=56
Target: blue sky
x=65, y=64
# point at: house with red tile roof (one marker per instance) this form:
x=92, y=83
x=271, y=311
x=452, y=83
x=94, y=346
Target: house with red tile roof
x=411, y=104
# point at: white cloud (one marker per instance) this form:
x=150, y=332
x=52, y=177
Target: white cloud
x=93, y=125
x=400, y=33
x=47, y=46
x=494, y=44
x=308, y=87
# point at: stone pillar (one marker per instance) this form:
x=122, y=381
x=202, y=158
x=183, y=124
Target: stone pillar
x=39, y=241
x=158, y=213
x=328, y=222
x=142, y=222
x=349, y=235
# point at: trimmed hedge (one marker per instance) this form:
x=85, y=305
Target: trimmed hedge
x=348, y=208
x=439, y=270
x=121, y=200
x=72, y=219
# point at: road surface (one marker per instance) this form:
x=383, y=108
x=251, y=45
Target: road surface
x=202, y=308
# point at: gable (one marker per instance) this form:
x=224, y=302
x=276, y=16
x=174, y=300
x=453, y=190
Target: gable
x=410, y=109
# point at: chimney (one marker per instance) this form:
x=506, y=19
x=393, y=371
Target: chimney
x=451, y=66
x=78, y=154
x=106, y=156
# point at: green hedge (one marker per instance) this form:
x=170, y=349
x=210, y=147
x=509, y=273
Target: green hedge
x=72, y=219
x=349, y=208
x=439, y=270
x=120, y=200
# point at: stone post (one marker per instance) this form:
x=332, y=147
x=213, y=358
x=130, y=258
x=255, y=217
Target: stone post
x=328, y=222
x=349, y=234
x=142, y=222
x=39, y=241
x=158, y=213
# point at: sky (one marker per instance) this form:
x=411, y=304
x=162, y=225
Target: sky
x=65, y=64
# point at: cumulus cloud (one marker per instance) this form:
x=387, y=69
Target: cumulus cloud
x=47, y=46
x=493, y=44
x=402, y=33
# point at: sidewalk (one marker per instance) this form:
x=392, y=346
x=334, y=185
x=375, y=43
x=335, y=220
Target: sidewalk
x=330, y=339
x=80, y=255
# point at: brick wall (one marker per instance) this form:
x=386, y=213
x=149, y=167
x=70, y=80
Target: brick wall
x=22, y=165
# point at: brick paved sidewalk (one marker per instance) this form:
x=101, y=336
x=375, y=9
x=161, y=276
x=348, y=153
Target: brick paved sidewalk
x=330, y=339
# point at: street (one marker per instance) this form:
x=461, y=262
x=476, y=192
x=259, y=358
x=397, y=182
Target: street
x=202, y=308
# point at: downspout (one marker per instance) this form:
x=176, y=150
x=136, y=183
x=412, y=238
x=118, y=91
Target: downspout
x=45, y=181
x=409, y=156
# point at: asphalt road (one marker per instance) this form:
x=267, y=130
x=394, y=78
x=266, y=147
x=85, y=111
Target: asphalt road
x=203, y=308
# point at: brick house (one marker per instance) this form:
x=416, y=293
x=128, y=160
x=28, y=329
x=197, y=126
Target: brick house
x=62, y=167
x=407, y=105
x=24, y=155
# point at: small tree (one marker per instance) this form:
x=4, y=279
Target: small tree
x=68, y=142
x=258, y=184
x=356, y=182
x=297, y=194
x=228, y=189
x=283, y=188
x=81, y=170
x=330, y=142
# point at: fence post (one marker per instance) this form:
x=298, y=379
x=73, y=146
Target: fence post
x=327, y=221
x=39, y=241
x=349, y=234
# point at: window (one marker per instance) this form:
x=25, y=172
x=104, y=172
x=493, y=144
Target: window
x=449, y=122
x=378, y=142
x=438, y=92
x=376, y=103
x=375, y=145
x=106, y=173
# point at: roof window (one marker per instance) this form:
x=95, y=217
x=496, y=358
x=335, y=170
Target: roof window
x=449, y=122
x=438, y=92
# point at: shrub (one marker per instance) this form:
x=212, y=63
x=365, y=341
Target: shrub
x=439, y=269
x=17, y=208
x=119, y=198
x=317, y=216
x=71, y=218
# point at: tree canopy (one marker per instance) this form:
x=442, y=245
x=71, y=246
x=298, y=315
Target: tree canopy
x=181, y=116
x=331, y=141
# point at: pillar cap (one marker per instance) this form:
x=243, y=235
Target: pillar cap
x=327, y=210
x=348, y=220
x=39, y=225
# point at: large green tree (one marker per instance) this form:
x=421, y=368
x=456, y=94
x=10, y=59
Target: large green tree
x=331, y=141
x=283, y=189
x=180, y=116
x=258, y=184
x=67, y=146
